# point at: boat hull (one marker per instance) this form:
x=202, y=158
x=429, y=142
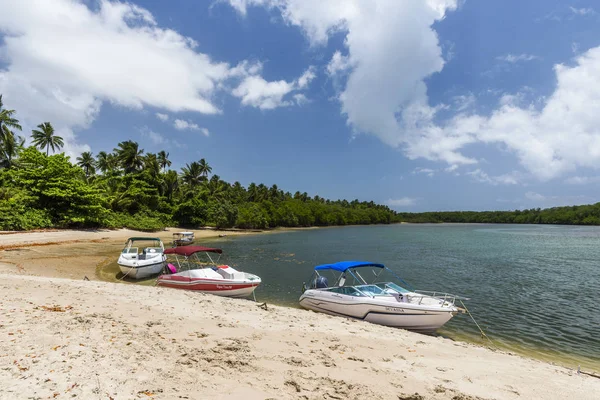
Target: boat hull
x=398, y=315
x=182, y=242
x=217, y=287
x=141, y=271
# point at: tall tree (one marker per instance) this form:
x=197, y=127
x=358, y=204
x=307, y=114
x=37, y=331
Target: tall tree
x=102, y=161
x=163, y=160
x=9, y=143
x=106, y=162
x=44, y=137
x=191, y=174
x=87, y=162
x=170, y=184
x=152, y=165
x=130, y=156
x=205, y=168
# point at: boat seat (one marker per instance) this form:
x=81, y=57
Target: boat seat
x=171, y=268
x=321, y=282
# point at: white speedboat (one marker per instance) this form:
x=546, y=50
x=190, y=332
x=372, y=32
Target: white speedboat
x=206, y=276
x=383, y=302
x=142, y=257
x=183, y=238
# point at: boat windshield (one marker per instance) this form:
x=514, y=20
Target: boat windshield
x=387, y=286
x=372, y=290
x=347, y=290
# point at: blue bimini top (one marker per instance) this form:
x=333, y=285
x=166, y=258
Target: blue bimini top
x=345, y=265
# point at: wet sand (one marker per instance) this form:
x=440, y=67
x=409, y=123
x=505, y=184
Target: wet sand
x=77, y=254
x=74, y=338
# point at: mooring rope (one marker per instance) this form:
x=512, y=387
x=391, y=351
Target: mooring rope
x=483, y=335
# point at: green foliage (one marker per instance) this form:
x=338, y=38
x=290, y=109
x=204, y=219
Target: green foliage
x=57, y=186
x=148, y=222
x=573, y=215
x=222, y=214
x=191, y=213
x=16, y=215
x=252, y=216
x=128, y=188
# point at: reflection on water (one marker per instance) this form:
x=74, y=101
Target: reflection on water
x=533, y=289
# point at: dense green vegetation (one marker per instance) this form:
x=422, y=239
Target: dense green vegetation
x=131, y=188
x=573, y=215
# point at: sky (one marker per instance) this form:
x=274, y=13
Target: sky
x=423, y=105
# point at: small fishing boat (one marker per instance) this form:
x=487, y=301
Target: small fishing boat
x=183, y=238
x=142, y=257
x=206, y=275
x=383, y=302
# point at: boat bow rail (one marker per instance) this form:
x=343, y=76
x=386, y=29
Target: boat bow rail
x=447, y=299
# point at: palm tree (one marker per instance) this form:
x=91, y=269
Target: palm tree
x=87, y=162
x=130, y=156
x=152, y=165
x=9, y=144
x=106, y=162
x=192, y=174
x=9, y=148
x=170, y=184
x=205, y=168
x=163, y=160
x=215, y=187
x=45, y=138
x=102, y=161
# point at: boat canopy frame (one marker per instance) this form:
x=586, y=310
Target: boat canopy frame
x=157, y=244
x=352, y=267
x=189, y=251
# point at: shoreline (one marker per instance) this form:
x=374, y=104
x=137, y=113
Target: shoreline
x=75, y=254
x=98, y=339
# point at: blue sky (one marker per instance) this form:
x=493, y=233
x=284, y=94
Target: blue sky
x=438, y=105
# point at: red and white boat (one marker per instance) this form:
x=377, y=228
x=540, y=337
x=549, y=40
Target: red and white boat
x=192, y=273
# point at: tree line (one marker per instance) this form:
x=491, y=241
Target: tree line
x=568, y=215
x=131, y=188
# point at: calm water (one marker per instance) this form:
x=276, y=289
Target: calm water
x=533, y=289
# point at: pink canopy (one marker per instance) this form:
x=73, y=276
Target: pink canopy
x=189, y=250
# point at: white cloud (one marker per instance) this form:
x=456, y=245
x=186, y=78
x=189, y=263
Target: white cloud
x=582, y=180
x=255, y=91
x=182, y=125
x=426, y=171
x=65, y=58
x=582, y=11
x=401, y=202
x=464, y=102
x=505, y=179
x=300, y=99
x=338, y=64
x=306, y=77
x=162, y=117
x=154, y=137
x=393, y=49
x=533, y=196
x=513, y=58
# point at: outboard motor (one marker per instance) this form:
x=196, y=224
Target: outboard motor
x=321, y=282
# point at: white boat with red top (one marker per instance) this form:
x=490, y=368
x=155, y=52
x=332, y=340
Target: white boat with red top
x=206, y=275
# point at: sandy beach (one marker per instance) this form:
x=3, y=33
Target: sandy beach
x=76, y=254
x=63, y=336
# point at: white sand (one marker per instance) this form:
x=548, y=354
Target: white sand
x=8, y=239
x=124, y=341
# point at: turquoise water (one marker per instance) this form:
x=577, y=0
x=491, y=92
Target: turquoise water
x=533, y=289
